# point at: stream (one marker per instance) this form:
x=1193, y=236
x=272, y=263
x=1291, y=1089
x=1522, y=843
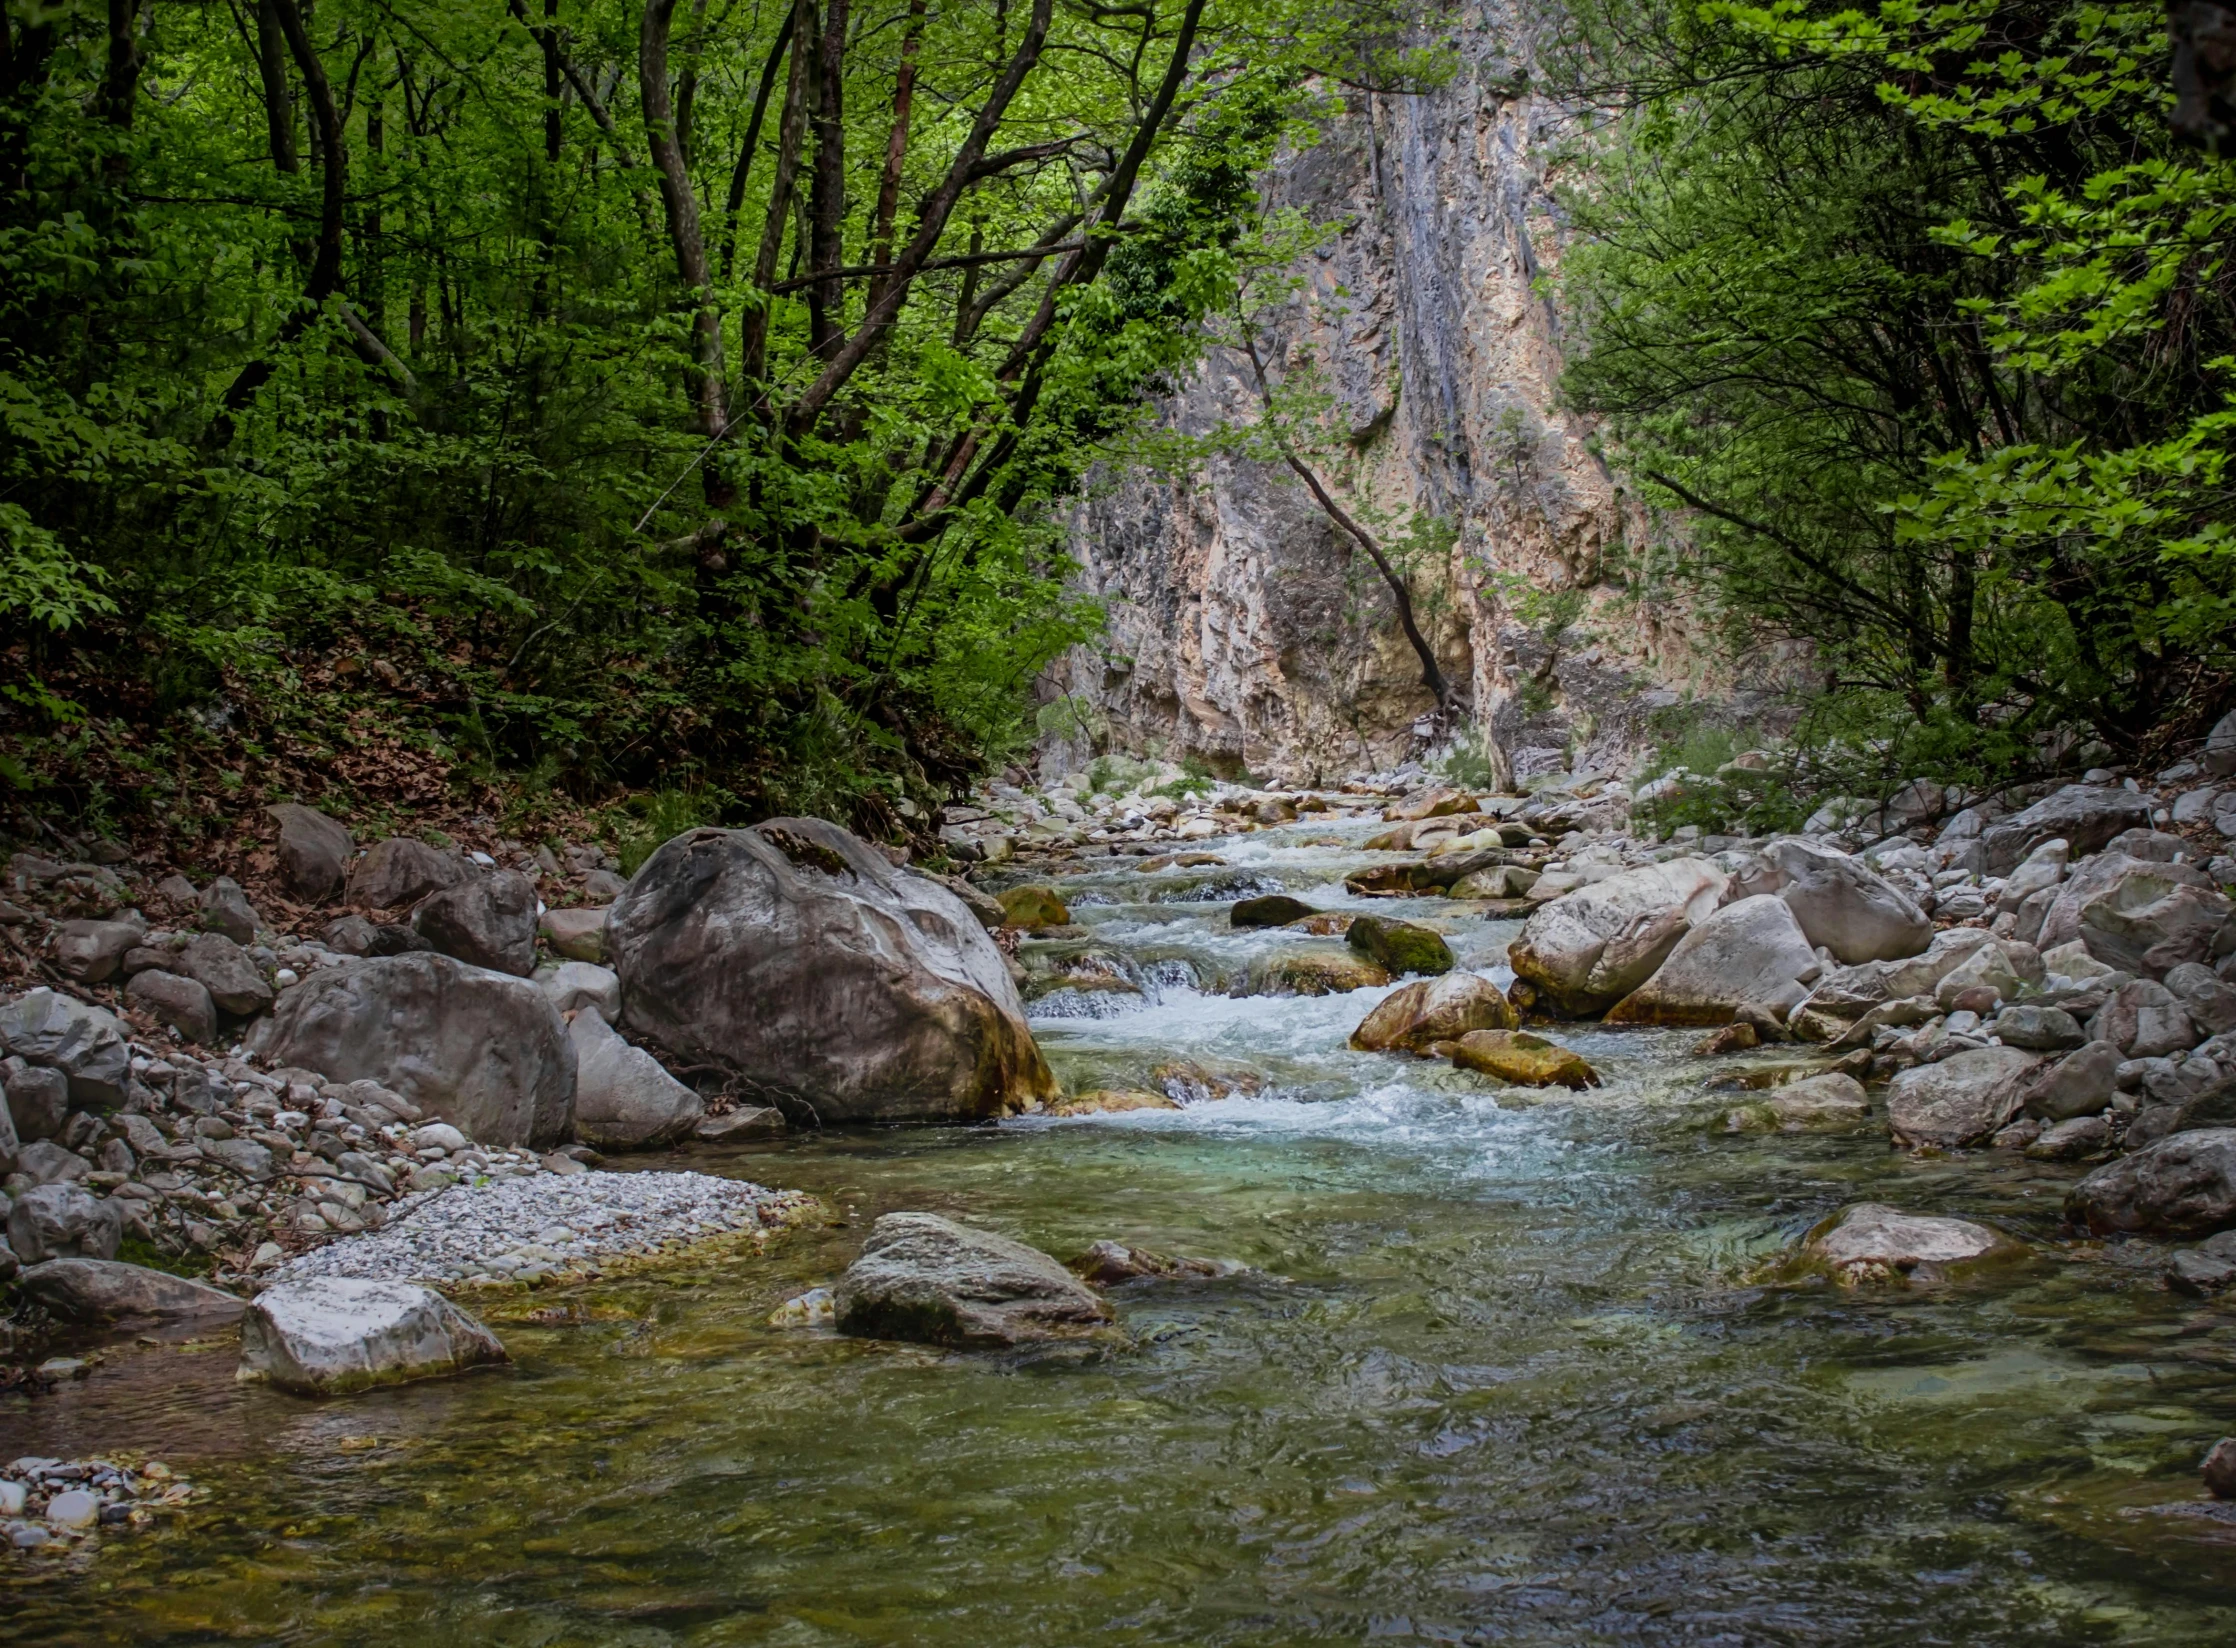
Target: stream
x=1500, y=1372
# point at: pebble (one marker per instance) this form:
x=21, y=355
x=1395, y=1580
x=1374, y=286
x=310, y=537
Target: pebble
x=52, y=1502
x=538, y=1226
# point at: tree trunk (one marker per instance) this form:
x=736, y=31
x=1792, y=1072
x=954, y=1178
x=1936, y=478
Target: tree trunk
x=827, y=188
x=896, y=153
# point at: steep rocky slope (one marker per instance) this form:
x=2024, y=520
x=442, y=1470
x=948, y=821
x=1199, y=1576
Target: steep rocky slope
x=1245, y=628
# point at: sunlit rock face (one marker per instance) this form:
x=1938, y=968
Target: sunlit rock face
x=1244, y=627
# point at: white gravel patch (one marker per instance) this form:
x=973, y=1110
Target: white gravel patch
x=548, y=1225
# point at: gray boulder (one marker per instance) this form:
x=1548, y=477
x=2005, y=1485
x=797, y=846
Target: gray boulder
x=576, y=984
x=1961, y=1100
x=226, y=909
x=10, y=1140
x=45, y=1162
x=2184, y=1185
x=1840, y=902
x=1417, y=1015
x=2138, y=915
x=102, y=1290
x=624, y=1099
x=2145, y=1020
x=798, y=959
x=2208, y=999
x=478, y=1049
x=61, y=1221
x=400, y=871
x=91, y=951
x=2037, y=1029
x=1753, y=951
x=1831, y=1100
x=2086, y=816
x=489, y=921
x=2040, y=871
x=1584, y=951
x=1871, y=1239
x=2080, y=1084
x=338, y=1335
x=223, y=968
x=62, y=1033
x=182, y=1003
x=2220, y=747
x=928, y=1279
x=2207, y=1268
x=38, y=1099
x=313, y=852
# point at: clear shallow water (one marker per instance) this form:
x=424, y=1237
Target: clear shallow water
x=1497, y=1377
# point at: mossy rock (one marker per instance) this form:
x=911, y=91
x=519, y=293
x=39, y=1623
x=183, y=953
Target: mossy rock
x=1313, y=971
x=1110, y=1101
x=1273, y=910
x=1034, y=907
x=1525, y=1060
x=1399, y=946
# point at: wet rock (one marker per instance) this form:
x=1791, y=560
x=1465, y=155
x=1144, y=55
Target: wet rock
x=2086, y=816
x=84, y=1043
x=1032, y=908
x=1750, y=951
x=226, y=909
x=1103, y=1101
x=2038, y=1029
x=1399, y=947
x=1840, y=902
x=102, y=1290
x=2069, y=1140
x=1522, y=1059
x=1418, y=1015
x=2220, y=1467
x=1107, y=1264
x=1191, y=1082
x=38, y=1099
x=928, y=1279
x=1312, y=970
x=1585, y=950
x=474, y=1047
x=2207, y=1268
x=338, y=1335
x=2145, y=1020
x=796, y=957
x=223, y=968
x=1870, y=1241
x=1732, y=1038
x=2080, y=1084
x=1273, y=910
x=1961, y=1100
x=573, y=985
x=400, y=872
x=1827, y=1102
x=61, y=1221
x=91, y=951
x=313, y=852
x=489, y=921
x=624, y=1099
x=182, y=1003
x=745, y=1122
x=579, y=935
x=816, y=1308
x=2183, y=1185
x=1499, y=881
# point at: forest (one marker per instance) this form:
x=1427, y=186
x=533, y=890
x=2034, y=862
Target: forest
x=553, y=399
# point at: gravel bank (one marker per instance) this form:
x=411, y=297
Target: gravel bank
x=544, y=1227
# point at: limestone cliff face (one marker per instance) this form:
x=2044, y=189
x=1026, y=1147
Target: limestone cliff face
x=1244, y=628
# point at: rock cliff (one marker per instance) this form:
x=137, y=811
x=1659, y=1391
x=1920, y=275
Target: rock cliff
x=1244, y=628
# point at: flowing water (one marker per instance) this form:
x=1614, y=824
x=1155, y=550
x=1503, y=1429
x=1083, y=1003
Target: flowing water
x=1502, y=1371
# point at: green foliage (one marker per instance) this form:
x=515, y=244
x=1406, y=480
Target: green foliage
x=660, y=816
x=1918, y=316
x=1116, y=774
x=1468, y=763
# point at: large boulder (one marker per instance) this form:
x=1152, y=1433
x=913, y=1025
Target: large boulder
x=90, y=951
x=1828, y=1101
x=1586, y=950
x=1847, y=994
x=1751, y=951
x=929, y=1279
x=2080, y=1084
x=1524, y=1060
x=102, y=1290
x=483, y=1051
x=86, y=1044
x=489, y=922
x=223, y=968
x=341, y=1334
x=1961, y=1100
x=2184, y=1185
x=400, y=871
x=624, y=1098
x=1841, y=902
x=1311, y=970
x=173, y=999
x=2145, y=1020
x=38, y=1098
x=1273, y=910
x=1871, y=1240
x=1427, y=1011
x=2209, y=999
x=61, y=1221
x=313, y=852
x=1399, y=947
x=2085, y=816
x=797, y=959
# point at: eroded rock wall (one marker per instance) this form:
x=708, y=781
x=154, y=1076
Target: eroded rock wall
x=1244, y=628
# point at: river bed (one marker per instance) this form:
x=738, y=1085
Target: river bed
x=1500, y=1371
